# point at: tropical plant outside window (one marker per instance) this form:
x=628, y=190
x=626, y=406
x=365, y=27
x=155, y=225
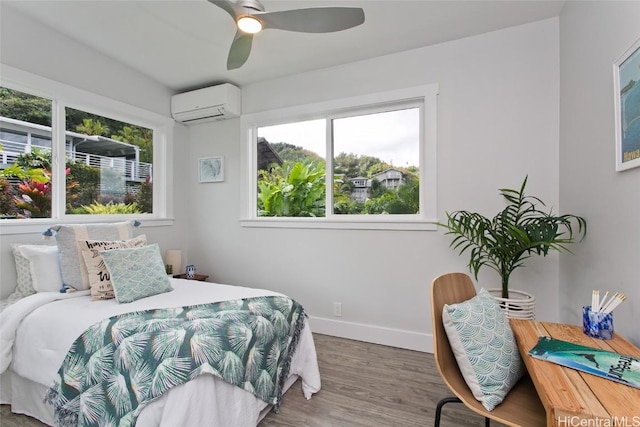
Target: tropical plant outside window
x=291, y=177
x=108, y=162
x=374, y=165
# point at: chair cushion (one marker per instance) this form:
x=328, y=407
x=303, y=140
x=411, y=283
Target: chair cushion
x=484, y=347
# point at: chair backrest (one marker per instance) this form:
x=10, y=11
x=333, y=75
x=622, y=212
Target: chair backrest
x=449, y=288
x=521, y=407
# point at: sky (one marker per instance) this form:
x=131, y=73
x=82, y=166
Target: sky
x=392, y=136
x=630, y=69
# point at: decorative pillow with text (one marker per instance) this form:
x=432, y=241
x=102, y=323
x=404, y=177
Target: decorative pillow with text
x=99, y=278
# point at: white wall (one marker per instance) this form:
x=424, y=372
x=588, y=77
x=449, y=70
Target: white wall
x=593, y=35
x=497, y=122
x=57, y=57
x=30, y=45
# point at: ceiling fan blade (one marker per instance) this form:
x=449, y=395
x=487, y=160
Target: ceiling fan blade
x=228, y=7
x=240, y=50
x=313, y=20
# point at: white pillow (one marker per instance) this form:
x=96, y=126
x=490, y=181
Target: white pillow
x=44, y=264
x=484, y=347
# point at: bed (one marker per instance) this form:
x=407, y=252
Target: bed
x=37, y=331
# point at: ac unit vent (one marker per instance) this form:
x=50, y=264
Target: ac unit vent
x=205, y=105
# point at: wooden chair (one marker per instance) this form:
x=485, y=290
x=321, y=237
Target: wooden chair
x=521, y=407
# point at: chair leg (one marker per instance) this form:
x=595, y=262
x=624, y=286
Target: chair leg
x=440, y=405
x=452, y=399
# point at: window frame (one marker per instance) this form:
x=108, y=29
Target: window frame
x=63, y=96
x=423, y=96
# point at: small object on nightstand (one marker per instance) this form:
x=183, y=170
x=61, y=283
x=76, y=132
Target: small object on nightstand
x=173, y=257
x=198, y=277
x=191, y=271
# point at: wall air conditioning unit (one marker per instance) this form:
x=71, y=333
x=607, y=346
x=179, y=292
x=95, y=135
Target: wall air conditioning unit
x=213, y=103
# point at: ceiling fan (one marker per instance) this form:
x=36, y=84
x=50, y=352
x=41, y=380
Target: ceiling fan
x=250, y=18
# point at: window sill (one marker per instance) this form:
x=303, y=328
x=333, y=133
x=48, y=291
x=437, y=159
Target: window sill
x=40, y=225
x=342, y=223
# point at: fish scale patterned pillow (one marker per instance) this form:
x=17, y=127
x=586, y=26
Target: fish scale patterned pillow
x=136, y=272
x=484, y=347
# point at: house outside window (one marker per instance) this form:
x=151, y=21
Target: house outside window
x=364, y=162
x=390, y=179
x=110, y=157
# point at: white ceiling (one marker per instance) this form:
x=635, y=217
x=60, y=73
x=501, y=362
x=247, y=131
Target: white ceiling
x=184, y=44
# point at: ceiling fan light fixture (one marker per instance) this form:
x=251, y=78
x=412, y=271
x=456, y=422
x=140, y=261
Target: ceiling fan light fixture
x=249, y=24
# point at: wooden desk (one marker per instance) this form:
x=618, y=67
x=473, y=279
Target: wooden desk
x=574, y=398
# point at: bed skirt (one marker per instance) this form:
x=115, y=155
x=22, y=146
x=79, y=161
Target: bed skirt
x=26, y=397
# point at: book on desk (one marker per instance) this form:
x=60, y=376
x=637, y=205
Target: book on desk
x=606, y=364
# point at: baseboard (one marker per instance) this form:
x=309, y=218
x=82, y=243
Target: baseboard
x=374, y=334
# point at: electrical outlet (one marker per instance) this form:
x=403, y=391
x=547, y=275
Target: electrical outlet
x=337, y=309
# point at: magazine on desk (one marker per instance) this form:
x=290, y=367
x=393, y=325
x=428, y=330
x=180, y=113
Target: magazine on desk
x=606, y=364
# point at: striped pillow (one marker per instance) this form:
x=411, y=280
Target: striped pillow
x=70, y=236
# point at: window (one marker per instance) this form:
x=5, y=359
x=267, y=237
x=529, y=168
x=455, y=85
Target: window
x=291, y=169
x=26, y=174
x=110, y=163
x=376, y=162
x=366, y=162
x=110, y=153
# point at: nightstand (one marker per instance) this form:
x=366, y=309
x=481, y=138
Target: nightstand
x=199, y=277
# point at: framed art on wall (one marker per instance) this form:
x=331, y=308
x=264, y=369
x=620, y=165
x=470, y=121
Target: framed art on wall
x=626, y=77
x=211, y=169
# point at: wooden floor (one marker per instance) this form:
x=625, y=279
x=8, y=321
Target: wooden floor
x=362, y=385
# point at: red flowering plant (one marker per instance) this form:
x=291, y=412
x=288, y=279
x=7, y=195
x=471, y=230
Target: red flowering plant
x=35, y=199
x=35, y=182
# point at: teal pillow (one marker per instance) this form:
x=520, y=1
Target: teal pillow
x=136, y=272
x=485, y=349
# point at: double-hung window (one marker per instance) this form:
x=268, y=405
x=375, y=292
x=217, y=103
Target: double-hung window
x=364, y=162
x=69, y=155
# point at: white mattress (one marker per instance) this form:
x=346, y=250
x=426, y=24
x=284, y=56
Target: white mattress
x=48, y=328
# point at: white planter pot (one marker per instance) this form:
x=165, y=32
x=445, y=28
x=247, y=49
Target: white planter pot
x=519, y=305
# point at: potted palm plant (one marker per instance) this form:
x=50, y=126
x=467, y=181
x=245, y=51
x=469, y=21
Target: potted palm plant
x=522, y=229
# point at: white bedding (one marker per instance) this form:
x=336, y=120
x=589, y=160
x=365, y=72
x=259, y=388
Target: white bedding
x=36, y=333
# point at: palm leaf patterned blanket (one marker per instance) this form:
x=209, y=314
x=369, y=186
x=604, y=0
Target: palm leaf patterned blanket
x=122, y=363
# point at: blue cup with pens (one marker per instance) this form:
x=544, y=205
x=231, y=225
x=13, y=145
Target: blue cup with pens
x=597, y=324
x=597, y=318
